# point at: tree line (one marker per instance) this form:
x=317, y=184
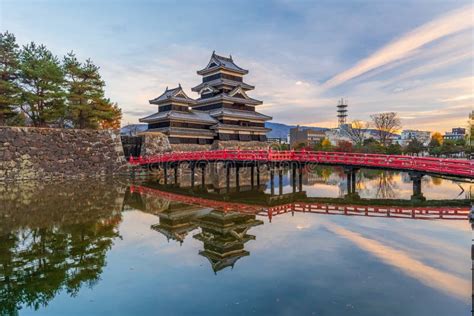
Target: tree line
x=39, y=89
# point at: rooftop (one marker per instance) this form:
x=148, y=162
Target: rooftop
x=176, y=94
x=222, y=62
x=222, y=81
x=195, y=116
x=239, y=114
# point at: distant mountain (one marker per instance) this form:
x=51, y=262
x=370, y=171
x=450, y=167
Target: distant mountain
x=280, y=130
x=132, y=129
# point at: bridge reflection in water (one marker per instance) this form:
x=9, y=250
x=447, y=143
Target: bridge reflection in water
x=220, y=178
x=224, y=220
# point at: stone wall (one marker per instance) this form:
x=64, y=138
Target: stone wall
x=154, y=143
x=47, y=153
x=190, y=147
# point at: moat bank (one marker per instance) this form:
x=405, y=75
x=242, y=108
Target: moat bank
x=28, y=153
x=46, y=153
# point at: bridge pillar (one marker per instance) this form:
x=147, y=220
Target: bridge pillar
x=252, y=171
x=237, y=178
x=293, y=177
x=165, y=173
x=176, y=173
x=351, y=182
x=193, y=173
x=227, y=178
x=417, y=193
x=203, y=175
x=300, y=178
x=258, y=175
x=280, y=181
x=272, y=179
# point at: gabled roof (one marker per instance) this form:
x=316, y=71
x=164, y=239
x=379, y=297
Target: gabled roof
x=208, y=88
x=221, y=126
x=194, y=116
x=176, y=94
x=225, y=96
x=239, y=114
x=223, y=82
x=222, y=62
x=238, y=92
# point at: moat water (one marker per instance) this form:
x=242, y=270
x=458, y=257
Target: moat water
x=140, y=247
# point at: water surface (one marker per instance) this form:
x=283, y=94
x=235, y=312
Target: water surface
x=99, y=248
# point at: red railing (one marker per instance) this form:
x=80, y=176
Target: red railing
x=426, y=213
x=456, y=167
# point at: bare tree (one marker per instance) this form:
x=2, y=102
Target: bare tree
x=357, y=132
x=386, y=124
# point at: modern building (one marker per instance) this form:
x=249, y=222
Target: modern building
x=307, y=136
x=457, y=133
x=407, y=135
x=224, y=111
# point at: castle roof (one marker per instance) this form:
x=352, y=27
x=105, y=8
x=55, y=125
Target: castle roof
x=222, y=81
x=221, y=62
x=194, y=116
x=239, y=114
x=240, y=97
x=176, y=94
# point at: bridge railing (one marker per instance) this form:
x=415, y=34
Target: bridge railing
x=427, y=164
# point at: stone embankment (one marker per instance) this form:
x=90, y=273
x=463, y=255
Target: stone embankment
x=28, y=153
x=49, y=153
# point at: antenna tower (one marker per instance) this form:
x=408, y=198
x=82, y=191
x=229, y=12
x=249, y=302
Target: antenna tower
x=341, y=111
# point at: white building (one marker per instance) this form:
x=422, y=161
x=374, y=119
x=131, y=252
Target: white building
x=407, y=135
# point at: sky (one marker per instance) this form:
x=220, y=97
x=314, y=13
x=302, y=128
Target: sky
x=415, y=58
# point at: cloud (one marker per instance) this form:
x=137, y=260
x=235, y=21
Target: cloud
x=430, y=276
x=451, y=23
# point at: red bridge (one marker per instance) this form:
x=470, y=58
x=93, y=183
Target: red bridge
x=408, y=212
x=452, y=167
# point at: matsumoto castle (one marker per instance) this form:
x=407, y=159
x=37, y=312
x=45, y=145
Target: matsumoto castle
x=223, y=111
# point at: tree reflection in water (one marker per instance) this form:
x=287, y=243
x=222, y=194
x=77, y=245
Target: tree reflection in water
x=54, y=238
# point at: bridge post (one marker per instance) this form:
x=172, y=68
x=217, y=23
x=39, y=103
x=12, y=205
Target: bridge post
x=258, y=175
x=293, y=176
x=227, y=178
x=165, y=173
x=280, y=180
x=192, y=173
x=300, y=178
x=252, y=169
x=417, y=193
x=272, y=178
x=203, y=175
x=237, y=177
x=351, y=182
x=176, y=173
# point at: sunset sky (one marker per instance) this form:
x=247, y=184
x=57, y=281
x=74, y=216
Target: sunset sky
x=411, y=57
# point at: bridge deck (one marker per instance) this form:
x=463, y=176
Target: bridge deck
x=452, y=167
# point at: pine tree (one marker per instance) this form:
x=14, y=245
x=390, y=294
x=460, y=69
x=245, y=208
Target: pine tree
x=114, y=115
x=86, y=105
x=42, y=79
x=9, y=69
